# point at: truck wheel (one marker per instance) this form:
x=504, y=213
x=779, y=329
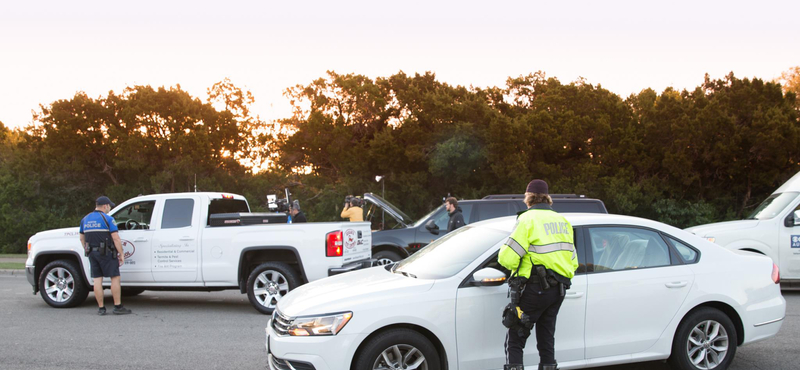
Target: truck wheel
x=705, y=340
x=61, y=284
x=131, y=292
x=268, y=283
x=386, y=258
x=398, y=349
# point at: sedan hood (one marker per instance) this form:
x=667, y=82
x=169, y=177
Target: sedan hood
x=342, y=292
x=711, y=229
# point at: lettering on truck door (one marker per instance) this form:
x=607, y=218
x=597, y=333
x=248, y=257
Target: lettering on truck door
x=175, y=248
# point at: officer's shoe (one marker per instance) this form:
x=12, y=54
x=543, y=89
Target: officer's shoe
x=513, y=367
x=101, y=311
x=121, y=310
x=548, y=367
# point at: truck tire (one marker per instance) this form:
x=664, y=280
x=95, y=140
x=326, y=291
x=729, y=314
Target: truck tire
x=386, y=257
x=268, y=283
x=61, y=284
x=131, y=292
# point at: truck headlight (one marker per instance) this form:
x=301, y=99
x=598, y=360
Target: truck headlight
x=319, y=325
x=710, y=238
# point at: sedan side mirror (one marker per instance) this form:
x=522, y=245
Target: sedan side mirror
x=432, y=227
x=488, y=277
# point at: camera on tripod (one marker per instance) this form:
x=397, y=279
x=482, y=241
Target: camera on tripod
x=279, y=205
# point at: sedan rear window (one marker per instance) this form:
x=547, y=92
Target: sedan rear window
x=451, y=253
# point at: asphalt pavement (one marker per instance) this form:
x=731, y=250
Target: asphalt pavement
x=218, y=330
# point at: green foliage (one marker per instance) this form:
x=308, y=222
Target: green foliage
x=682, y=157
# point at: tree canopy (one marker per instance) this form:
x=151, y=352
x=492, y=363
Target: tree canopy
x=683, y=157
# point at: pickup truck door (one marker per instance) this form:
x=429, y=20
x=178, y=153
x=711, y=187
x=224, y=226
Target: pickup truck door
x=789, y=246
x=176, y=254
x=134, y=222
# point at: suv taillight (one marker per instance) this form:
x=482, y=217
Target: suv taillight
x=776, y=274
x=333, y=244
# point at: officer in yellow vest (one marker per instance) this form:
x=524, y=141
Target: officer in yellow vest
x=541, y=254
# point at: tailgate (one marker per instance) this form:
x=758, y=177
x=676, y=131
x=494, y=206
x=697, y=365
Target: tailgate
x=357, y=242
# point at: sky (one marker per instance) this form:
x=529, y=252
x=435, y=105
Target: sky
x=49, y=50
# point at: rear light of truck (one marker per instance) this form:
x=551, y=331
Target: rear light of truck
x=776, y=274
x=333, y=244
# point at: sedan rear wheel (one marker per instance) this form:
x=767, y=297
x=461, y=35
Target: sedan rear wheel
x=706, y=340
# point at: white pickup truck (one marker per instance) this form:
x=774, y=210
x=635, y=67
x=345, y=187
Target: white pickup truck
x=772, y=229
x=201, y=241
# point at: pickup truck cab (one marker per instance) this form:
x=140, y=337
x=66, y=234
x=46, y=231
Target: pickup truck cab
x=404, y=236
x=200, y=241
x=772, y=229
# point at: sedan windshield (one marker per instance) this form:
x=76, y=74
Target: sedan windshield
x=450, y=254
x=772, y=206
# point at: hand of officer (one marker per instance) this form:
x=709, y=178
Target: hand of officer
x=121, y=259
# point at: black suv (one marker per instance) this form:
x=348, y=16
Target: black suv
x=408, y=236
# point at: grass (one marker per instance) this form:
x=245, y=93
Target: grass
x=13, y=255
x=12, y=265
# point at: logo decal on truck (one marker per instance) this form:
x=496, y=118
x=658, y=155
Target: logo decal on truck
x=128, y=249
x=349, y=238
x=795, y=241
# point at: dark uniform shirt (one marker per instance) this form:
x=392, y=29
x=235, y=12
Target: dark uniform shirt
x=299, y=217
x=95, y=230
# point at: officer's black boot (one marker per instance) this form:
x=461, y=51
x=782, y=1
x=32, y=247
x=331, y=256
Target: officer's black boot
x=513, y=367
x=548, y=367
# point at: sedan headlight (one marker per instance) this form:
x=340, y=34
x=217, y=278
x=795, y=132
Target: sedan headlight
x=319, y=325
x=710, y=238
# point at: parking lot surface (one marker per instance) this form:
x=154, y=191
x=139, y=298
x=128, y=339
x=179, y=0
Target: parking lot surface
x=218, y=330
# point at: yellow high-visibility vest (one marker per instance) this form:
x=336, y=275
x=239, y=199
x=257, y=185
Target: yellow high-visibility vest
x=541, y=237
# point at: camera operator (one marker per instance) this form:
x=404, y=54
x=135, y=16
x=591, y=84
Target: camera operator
x=296, y=213
x=352, y=209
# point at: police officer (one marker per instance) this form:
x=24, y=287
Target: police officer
x=541, y=250
x=100, y=240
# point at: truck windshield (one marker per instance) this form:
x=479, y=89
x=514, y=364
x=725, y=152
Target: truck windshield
x=772, y=206
x=451, y=253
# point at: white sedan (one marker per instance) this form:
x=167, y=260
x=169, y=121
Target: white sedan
x=644, y=291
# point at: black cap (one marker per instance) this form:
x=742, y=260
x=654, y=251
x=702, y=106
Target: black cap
x=537, y=186
x=104, y=200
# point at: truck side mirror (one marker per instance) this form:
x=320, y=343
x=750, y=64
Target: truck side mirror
x=793, y=219
x=432, y=227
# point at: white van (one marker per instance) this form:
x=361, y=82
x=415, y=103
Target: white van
x=773, y=229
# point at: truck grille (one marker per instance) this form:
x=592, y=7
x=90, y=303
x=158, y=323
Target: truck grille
x=280, y=364
x=280, y=323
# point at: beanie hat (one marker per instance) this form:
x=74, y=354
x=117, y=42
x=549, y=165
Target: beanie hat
x=537, y=186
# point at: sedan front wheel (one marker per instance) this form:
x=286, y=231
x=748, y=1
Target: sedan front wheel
x=705, y=340
x=398, y=349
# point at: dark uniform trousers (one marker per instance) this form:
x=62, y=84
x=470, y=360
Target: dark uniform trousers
x=542, y=306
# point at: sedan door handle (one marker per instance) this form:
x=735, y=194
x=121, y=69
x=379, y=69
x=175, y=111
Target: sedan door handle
x=573, y=295
x=677, y=284
x=186, y=239
x=140, y=240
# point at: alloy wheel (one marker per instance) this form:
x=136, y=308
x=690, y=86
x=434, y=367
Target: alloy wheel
x=59, y=284
x=269, y=287
x=400, y=357
x=707, y=345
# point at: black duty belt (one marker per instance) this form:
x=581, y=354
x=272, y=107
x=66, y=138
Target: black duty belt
x=534, y=279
